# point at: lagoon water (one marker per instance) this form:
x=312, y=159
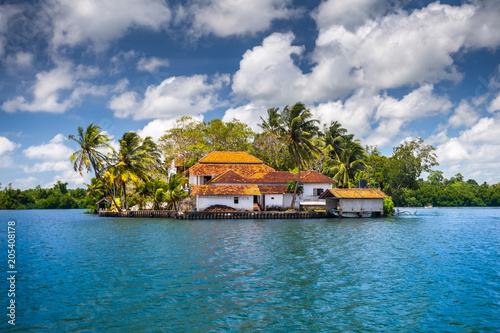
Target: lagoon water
x=436, y=271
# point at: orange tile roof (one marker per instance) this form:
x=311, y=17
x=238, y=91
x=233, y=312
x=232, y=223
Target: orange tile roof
x=217, y=169
x=354, y=193
x=225, y=190
x=272, y=189
x=229, y=176
x=230, y=157
x=274, y=177
x=315, y=177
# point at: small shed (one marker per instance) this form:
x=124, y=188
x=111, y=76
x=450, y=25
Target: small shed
x=355, y=202
x=101, y=204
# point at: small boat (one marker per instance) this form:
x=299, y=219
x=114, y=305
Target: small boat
x=429, y=206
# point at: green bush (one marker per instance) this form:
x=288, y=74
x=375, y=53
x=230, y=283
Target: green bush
x=388, y=206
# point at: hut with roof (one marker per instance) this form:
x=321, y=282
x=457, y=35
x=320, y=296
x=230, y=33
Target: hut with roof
x=354, y=202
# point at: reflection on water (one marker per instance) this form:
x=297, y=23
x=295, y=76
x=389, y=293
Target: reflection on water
x=436, y=271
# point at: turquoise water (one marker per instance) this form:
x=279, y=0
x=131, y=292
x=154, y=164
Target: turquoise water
x=438, y=271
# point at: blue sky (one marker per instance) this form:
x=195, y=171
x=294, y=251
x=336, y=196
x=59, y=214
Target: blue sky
x=387, y=70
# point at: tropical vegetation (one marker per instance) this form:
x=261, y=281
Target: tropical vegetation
x=133, y=171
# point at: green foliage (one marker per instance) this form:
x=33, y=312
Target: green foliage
x=451, y=192
x=290, y=187
x=388, y=206
x=189, y=140
x=42, y=198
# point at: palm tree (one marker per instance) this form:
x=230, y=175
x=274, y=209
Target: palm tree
x=344, y=162
x=88, y=157
x=272, y=123
x=176, y=190
x=130, y=162
x=298, y=129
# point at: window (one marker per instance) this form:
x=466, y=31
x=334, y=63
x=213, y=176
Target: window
x=236, y=200
x=318, y=191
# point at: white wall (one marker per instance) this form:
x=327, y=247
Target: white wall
x=361, y=205
x=274, y=200
x=287, y=201
x=245, y=202
x=309, y=187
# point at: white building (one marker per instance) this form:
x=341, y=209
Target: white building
x=226, y=175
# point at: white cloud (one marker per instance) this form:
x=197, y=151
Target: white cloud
x=55, y=150
x=24, y=183
x=267, y=73
x=495, y=104
x=393, y=115
x=58, y=90
x=235, y=17
x=475, y=152
x=484, y=25
x=350, y=13
x=395, y=50
x=151, y=64
x=22, y=60
x=6, y=145
x=157, y=127
x=248, y=114
x=102, y=21
x=355, y=114
x=464, y=115
x=48, y=166
x=181, y=95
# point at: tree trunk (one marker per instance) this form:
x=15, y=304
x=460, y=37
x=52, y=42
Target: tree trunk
x=104, y=184
x=125, y=195
x=297, y=160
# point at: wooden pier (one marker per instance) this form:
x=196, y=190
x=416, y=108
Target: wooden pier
x=217, y=215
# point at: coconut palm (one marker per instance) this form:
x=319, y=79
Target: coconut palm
x=130, y=162
x=272, y=123
x=298, y=129
x=89, y=157
x=176, y=189
x=344, y=162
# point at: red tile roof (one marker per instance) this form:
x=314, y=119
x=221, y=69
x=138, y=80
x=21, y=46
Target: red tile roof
x=353, y=193
x=228, y=176
x=225, y=190
x=230, y=157
x=274, y=177
x=315, y=177
x=217, y=169
x=272, y=189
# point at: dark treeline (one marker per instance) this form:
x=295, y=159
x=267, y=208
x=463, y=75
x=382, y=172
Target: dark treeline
x=453, y=192
x=58, y=197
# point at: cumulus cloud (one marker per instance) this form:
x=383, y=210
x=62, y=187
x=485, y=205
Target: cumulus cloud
x=392, y=114
x=151, y=64
x=267, y=73
x=184, y=95
x=495, y=104
x=6, y=145
x=58, y=90
x=248, y=114
x=55, y=150
x=355, y=114
x=102, y=21
x=465, y=115
x=235, y=17
x=349, y=14
x=157, y=127
x=475, y=152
